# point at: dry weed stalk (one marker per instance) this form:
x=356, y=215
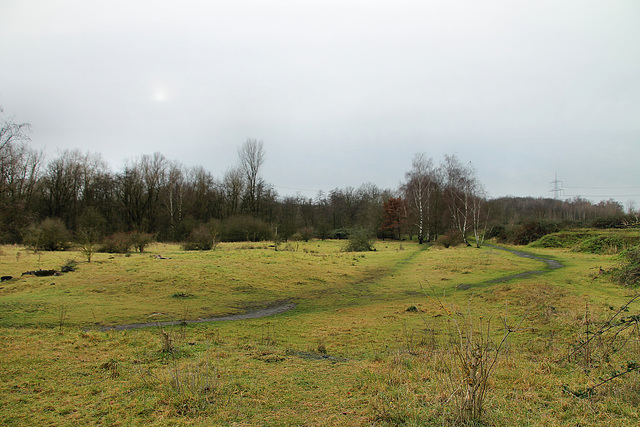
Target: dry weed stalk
x=167, y=342
x=475, y=355
x=605, y=349
x=194, y=378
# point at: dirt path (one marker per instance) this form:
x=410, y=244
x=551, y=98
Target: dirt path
x=263, y=312
x=551, y=263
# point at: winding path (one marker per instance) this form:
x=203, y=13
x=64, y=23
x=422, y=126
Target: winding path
x=255, y=314
x=551, y=263
x=264, y=312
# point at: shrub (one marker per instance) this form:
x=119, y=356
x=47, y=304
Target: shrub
x=200, y=239
x=360, y=241
x=184, y=228
x=612, y=221
x=533, y=230
x=245, y=228
x=450, y=238
x=140, y=241
x=50, y=235
x=629, y=273
x=338, y=234
x=306, y=233
x=607, y=244
x=499, y=232
x=117, y=243
x=90, y=232
x=563, y=239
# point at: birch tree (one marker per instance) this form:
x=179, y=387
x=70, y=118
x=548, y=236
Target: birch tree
x=420, y=190
x=464, y=197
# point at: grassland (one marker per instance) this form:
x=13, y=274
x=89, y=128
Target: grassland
x=353, y=351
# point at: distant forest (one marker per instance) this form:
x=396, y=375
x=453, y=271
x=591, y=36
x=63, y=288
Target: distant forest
x=77, y=193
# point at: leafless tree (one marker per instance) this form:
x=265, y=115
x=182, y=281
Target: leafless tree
x=233, y=186
x=420, y=190
x=462, y=194
x=19, y=171
x=154, y=172
x=12, y=132
x=17, y=161
x=205, y=197
x=252, y=155
x=174, y=195
x=480, y=215
x=68, y=184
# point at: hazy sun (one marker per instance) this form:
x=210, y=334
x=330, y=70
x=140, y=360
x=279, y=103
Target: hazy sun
x=160, y=95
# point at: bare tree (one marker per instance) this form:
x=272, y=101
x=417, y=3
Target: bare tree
x=12, y=132
x=461, y=189
x=251, y=156
x=19, y=173
x=91, y=226
x=480, y=215
x=174, y=195
x=233, y=185
x=204, y=198
x=420, y=190
x=154, y=172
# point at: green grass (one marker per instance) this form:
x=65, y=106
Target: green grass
x=349, y=353
x=593, y=241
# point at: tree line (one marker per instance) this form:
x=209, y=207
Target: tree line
x=157, y=196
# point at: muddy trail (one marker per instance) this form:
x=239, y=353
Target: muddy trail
x=282, y=308
x=255, y=314
x=551, y=263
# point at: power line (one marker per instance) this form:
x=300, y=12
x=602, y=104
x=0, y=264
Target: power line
x=605, y=188
x=605, y=195
x=294, y=188
x=558, y=190
x=557, y=187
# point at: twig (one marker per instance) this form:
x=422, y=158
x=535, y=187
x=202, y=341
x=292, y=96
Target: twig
x=606, y=327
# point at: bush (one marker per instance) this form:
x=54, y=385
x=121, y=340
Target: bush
x=563, y=239
x=50, y=235
x=306, y=233
x=140, y=241
x=360, y=241
x=498, y=232
x=91, y=225
x=184, y=229
x=117, y=243
x=607, y=244
x=629, y=273
x=613, y=221
x=450, y=238
x=200, y=239
x=245, y=228
x=338, y=234
x=532, y=230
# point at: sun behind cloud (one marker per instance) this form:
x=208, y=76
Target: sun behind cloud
x=160, y=95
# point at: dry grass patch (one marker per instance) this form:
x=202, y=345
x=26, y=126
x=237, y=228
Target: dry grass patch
x=351, y=353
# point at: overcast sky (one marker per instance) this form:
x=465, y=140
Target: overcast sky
x=340, y=92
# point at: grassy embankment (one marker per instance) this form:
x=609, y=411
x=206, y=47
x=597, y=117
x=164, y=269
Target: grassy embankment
x=349, y=353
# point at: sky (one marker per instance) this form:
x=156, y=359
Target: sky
x=341, y=93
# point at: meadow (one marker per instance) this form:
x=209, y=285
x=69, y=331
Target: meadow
x=373, y=338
